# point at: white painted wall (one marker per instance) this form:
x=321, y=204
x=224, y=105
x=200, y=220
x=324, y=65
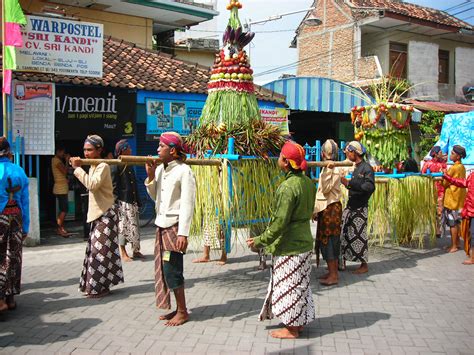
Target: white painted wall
x=423, y=70
x=464, y=68
x=33, y=238
x=461, y=55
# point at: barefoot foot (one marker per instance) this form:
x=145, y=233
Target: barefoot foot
x=452, y=250
x=168, y=316
x=285, y=333
x=179, y=318
x=98, y=295
x=329, y=281
x=201, y=260
x=361, y=270
x=323, y=277
x=468, y=262
x=126, y=258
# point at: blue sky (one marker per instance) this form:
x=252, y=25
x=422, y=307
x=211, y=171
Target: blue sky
x=270, y=45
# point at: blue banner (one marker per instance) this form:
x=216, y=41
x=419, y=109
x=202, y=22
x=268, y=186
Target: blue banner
x=164, y=115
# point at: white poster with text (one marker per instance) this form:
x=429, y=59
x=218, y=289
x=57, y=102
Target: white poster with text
x=62, y=47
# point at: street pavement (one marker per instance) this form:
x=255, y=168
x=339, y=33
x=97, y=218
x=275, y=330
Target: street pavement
x=411, y=301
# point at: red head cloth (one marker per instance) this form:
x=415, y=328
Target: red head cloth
x=173, y=140
x=295, y=154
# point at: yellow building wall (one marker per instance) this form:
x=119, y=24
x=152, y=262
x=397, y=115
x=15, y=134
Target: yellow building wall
x=138, y=30
x=205, y=58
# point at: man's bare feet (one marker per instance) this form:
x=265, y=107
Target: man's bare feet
x=468, y=262
x=223, y=259
x=168, y=316
x=325, y=276
x=201, y=260
x=329, y=281
x=453, y=250
x=3, y=306
x=286, y=333
x=179, y=318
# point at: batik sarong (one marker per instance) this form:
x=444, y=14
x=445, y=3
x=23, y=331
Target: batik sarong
x=102, y=264
x=10, y=250
x=465, y=233
x=212, y=234
x=329, y=232
x=354, y=240
x=166, y=240
x=128, y=230
x=289, y=295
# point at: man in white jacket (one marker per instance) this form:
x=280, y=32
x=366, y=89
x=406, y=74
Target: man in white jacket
x=173, y=187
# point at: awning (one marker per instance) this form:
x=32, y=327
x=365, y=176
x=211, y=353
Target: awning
x=440, y=106
x=319, y=94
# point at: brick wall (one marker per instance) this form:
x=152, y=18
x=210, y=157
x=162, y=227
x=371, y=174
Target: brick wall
x=367, y=68
x=327, y=50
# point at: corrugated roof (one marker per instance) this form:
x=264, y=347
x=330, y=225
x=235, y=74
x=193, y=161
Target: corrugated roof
x=440, y=106
x=318, y=94
x=127, y=66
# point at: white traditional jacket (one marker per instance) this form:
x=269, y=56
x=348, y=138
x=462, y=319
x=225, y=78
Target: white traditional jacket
x=174, y=193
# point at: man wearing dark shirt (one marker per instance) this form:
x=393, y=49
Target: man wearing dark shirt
x=354, y=240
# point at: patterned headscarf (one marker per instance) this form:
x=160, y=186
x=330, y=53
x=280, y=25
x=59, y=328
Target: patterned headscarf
x=460, y=150
x=357, y=147
x=174, y=140
x=121, y=146
x=329, y=150
x=295, y=154
x=95, y=140
x=4, y=147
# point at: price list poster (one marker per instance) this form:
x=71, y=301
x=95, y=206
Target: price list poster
x=33, y=116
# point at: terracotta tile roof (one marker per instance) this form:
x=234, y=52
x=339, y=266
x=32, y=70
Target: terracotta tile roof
x=440, y=106
x=128, y=66
x=415, y=11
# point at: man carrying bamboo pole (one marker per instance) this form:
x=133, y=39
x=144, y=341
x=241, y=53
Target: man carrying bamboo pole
x=173, y=188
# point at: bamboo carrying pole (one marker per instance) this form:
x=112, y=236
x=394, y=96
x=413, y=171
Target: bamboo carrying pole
x=322, y=164
x=139, y=160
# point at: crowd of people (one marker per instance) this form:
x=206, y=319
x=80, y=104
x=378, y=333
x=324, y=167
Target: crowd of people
x=113, y=205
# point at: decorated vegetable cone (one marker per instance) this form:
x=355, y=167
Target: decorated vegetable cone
x=231, y=108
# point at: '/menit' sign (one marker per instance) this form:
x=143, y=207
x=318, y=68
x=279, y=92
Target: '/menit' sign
x=60, y=46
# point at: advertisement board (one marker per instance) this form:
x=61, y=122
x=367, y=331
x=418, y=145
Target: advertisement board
x=163, y=115
x=182, y=116
x=33, y=116
x=277, y=116
x=81, y=111
x=62, y=47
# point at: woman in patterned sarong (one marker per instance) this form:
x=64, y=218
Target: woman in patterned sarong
x=288, y=238
x=328, y=213
x=354, y=239
x=102, y=264
x=14, y=225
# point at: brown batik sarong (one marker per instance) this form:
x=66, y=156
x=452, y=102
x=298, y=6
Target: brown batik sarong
x=11, y=248
x=166, y=240
x=289, y=296
x=102, y=264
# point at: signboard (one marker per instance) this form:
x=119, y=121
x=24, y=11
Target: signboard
x=82, y=110
x=182, y=116
x=163, y=115
x=62, y=47
x=33, y=116
x=277, y=116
